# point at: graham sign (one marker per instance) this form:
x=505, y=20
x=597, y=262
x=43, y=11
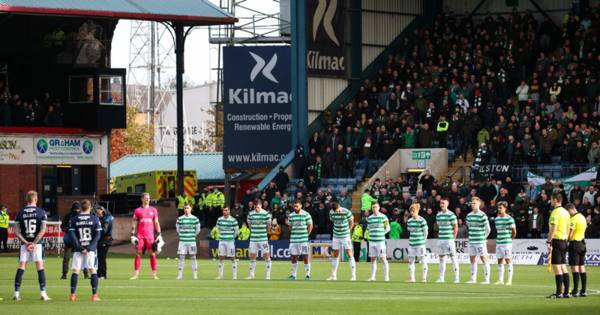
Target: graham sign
x=325, y=36
x=20, y=149
x=257, y=111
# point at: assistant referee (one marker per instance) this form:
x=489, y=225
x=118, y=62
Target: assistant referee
x=557, y=246
x=577, y=250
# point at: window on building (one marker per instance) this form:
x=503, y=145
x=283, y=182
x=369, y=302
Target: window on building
x=111, y=90
x=88, y=179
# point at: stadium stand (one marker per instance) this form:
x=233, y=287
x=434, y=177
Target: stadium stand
x=514, y=90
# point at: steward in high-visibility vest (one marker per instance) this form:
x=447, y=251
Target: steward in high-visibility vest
x=219, y=199
x=4, y=218
x=442, y=131
x=244, y=233
x=357, y=234
x=214, y=233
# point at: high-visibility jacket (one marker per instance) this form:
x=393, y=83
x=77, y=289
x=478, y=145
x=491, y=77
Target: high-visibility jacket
x=244, y=233
x=357, y=234
x=208, y=200
x=219, y=199
x=214, y=233
x=367, y=235
x=4, y=219
x=202, y=200
x=442, y=126
x=183, y=200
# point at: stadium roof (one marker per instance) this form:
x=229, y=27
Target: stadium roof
x=208, y=166
x=196, y=12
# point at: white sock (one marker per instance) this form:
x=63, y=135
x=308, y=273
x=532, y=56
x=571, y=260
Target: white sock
x=221, y=267
x=334, y=265
x=268, y=268
x=194, y=264
x=501, y=272
x=373, y=267
x=425, y=267
x=486, y=271
x=411, y=268
x=442, y=267
x=252, y=267
x=455, y=267
x=352, y=266
x=234, y=268
x=386, y=268
x=294, y=269
x=474, y=271
x=510, y=272
x=180, y=265
x=307, y=269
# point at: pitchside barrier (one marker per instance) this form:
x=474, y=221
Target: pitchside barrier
x=525, y=251
x=53, y=239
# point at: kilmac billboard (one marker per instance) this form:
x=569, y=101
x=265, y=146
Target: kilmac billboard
x=258, y=106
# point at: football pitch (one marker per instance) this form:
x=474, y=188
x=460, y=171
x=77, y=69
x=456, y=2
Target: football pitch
x=281, y=296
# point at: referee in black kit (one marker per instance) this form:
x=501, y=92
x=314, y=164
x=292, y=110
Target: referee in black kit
x=577, y=250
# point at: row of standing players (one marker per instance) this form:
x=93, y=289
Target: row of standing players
x=566, y=234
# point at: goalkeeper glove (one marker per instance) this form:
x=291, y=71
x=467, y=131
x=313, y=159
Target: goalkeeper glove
x=158, y=244
x=134, y=240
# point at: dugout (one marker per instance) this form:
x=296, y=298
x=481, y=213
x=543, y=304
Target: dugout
x=58, y=54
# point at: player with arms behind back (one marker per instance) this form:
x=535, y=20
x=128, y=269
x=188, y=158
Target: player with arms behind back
x=417, y=226
x=145, y=229
x=378, y=225
x=478, y=227
x=85, y=231
x=448, y=229
x=301, y=225
x=30, y=229
x=343, y=222
x=507, y=231
x=259, y=221
x=188, y=227
x=228, y=230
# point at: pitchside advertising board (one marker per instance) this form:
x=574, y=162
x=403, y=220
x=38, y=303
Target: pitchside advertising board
x=325, y=38
x=53, y=239
x=525, y=251
x=19, y=149
x=258, y=111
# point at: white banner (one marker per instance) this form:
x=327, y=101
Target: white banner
x=525, y=251
x=16, y=150
x=22, y=149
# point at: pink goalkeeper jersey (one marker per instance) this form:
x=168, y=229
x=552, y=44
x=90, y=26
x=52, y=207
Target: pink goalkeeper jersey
x=145, y=221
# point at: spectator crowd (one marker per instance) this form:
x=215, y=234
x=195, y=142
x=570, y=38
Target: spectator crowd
x=18, y=112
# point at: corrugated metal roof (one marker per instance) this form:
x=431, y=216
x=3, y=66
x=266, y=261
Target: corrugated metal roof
x=208, y=166
x=187, y=11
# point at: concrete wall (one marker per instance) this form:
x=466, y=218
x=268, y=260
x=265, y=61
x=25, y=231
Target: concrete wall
x=402, y=160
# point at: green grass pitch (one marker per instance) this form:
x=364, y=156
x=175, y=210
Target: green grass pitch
x=280, y=296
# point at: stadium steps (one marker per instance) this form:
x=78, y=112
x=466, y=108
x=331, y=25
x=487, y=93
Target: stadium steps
x=360, y=187
x=453, y=169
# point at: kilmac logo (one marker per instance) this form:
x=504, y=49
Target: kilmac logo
x=324, y=15
x=264, y=68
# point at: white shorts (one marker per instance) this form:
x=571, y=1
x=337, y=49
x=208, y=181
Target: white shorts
x=81, y=261
x=227, y=248
x=446, y=247
x=297, y=249
x=416, y=251
x=341, y=244
x=262, y=247
x=478, y=250
x=35, y=255
x=504, y=251
x=377, y=250
x=187, y=249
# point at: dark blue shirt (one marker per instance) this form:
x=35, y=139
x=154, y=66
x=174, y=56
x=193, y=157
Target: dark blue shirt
x=85, y=230
x=30, y=221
